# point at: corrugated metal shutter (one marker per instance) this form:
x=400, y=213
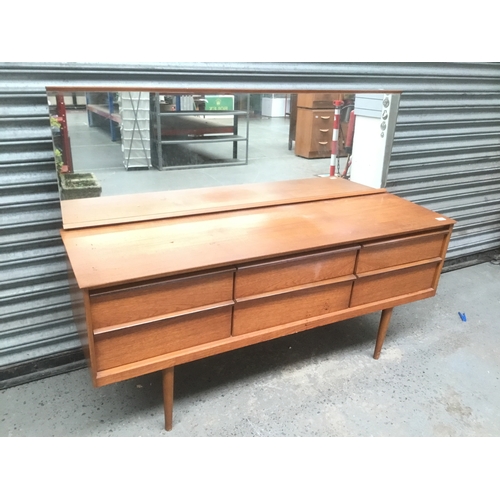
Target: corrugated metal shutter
x=35, y=309
x=446, y=157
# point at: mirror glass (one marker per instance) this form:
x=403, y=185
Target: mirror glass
x=127, y=142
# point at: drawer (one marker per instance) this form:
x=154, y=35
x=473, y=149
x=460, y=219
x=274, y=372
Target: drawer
x=295, y=271
x=143, y=341
x=322, y=121
x=284, y=308
x=134, y=303
x=388, y=284
x=321, y=137
x=400, y=251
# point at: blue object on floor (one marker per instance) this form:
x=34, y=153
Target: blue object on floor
x=462, y=316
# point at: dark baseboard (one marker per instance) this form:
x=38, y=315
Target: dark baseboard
x=470, y=260
x=37, y=369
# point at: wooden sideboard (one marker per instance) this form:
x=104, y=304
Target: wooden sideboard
x=220, y=269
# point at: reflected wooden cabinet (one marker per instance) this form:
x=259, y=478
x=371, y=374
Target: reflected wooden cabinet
x=164, y=292
x=314, y=127
x=313, y=135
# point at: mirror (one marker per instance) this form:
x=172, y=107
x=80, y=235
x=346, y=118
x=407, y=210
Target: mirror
x=113, y=146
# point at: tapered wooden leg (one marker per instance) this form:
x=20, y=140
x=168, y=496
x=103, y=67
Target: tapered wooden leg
x=382, y=330
x=168, y=396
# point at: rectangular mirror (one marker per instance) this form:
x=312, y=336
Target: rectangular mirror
x=118, y=152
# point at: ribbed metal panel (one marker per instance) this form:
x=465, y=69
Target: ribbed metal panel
x=446, y=156
x=35, y=309
x=415, y=77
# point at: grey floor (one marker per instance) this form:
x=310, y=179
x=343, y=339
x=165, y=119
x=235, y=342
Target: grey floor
x=437, y=376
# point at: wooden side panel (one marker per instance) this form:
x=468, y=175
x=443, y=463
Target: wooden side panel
x=389, y=284
x=303, y=132
x=88, y=342
x=295, y=271
x=140, y=342
x=127, y=304
x=444, y=249
x=284, y=308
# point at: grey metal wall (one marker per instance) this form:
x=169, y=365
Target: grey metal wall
x=35, y=314
x=446, y=156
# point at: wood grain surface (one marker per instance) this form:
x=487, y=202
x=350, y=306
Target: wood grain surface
x=294, y=271
x=132, y=252
x=129, y=304
x=91, y=212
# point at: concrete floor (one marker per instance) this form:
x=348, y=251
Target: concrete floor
x=437, y=376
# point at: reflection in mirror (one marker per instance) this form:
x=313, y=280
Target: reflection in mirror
x=129, y=142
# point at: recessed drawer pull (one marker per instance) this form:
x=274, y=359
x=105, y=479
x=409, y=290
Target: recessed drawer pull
x=324, y=129
x=296, y=289
x=322, y=143
x=288, y=272
x=325, y=117
x=163, y=318
x=137, y=303
x=398, y=267
x=399, y=251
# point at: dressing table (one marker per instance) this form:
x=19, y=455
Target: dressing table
x=172, y=277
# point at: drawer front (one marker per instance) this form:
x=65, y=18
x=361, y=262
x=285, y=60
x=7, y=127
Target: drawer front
x=400, y=251
x=389, y=284
x=321, y=133
x=275, y=310
x=321, y=137
x=322, y=124
x=156, y=299
x=292, y=272
x=137, y=343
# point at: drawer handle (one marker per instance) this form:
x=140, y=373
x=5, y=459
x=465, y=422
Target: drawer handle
x=324, y=129
x=299, y=288
x=322, y=143
x=325, y=117
x=164, y=317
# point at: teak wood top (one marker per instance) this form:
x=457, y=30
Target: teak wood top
x=91, y=212
x=132, y=252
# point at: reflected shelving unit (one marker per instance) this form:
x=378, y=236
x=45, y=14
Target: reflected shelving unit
x=205, y=131
x=103, y=110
